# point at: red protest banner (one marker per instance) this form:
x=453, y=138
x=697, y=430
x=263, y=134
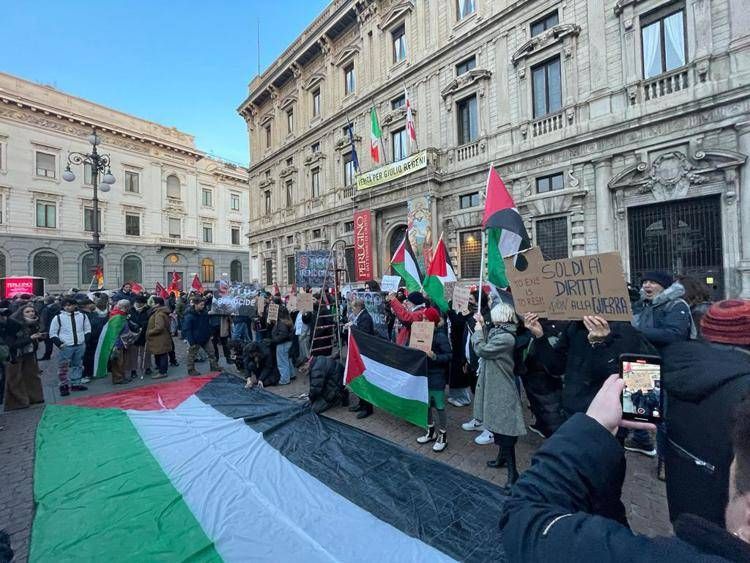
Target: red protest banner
x=362, y=246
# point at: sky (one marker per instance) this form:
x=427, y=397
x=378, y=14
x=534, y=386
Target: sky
x=180, y=63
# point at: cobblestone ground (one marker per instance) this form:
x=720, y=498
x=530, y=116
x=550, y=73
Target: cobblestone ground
x=643, y=495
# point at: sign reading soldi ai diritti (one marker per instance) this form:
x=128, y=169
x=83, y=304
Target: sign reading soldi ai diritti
x=392, y=171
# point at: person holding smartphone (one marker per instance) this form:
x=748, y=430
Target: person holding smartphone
x=23, y=384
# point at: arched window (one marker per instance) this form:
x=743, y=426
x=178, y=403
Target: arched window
x=173, y=186
x=46, y=265
x=235, y=271
x=2, y=265
x=207, y=271
x=87, y=269
x=132, y=269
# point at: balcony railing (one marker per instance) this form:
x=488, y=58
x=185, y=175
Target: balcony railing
x=178, y=242
x=465, y=152
x=547, y=124
x=665, y=84
x=348, y=191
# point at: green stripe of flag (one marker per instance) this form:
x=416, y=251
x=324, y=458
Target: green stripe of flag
x=495, y=265
x=436, y=291
x=409, y=409
x=106, y=499
x=106, y=343
x=411, y=283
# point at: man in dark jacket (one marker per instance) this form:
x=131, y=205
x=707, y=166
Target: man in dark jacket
x=705, y=380
x=326, y=384
x=49, y=311
x=662, y=315
x=196, y=330
x=138, y=323
x=558, y=509
x=362, y=320
x=126, y=292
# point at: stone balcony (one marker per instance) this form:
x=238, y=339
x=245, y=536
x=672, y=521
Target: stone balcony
x=665, y=84
x=177, y=242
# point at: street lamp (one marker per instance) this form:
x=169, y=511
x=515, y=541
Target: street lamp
x=99, y=164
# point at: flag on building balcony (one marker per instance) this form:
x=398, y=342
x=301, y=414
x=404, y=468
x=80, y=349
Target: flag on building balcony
x=404, y=262
x=160, y=291
x=506, y=233
x=97, y=280
x=197, y=285
x=439, y=273
x=411, y=131
x=350, y=132
x=376, y=138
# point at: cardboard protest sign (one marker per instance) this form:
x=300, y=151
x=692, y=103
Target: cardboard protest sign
x=421, y=335
x=571, y=288
x=448, y=289
x=304, y=302
x=291, y=302
x=390, y=283
x=375, y=305
x=461, y=296
x=261, y=304
x=273, y=312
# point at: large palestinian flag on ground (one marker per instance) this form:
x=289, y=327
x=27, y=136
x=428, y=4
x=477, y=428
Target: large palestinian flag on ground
x=204, y=470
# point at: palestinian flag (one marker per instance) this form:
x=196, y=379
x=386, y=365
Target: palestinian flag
x=391, y=377
x=404, y=263
x=202, y=469
x=107, y=339
x=439, y=273
x=506, y=233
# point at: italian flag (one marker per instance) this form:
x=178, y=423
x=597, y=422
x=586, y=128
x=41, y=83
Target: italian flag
x=439, y=273
x=404, y=262
x=506, y=233
x=107, y=339
x=391, y=377
x=202, y=469
x=376, y=137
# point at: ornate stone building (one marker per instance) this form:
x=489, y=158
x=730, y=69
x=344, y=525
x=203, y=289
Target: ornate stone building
x=618, y=125
x=172, y=208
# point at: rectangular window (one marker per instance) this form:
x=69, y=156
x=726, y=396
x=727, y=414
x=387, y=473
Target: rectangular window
x=349, y=80
x=552, y=237
x=268, y=244
x=466, y=65
x=316, y=233
x=290, y=270
x=289, y=162
x=398, y=102
x=400, y=144
x=543, y=24
x=289, y=193
x=207, y=198
x=88, y=219
x=467, y=120
x=88, y=177
x=546, y=87
x=269, y=271
x=316, y=102
x=315, y=148
x=663, y=42
x=45, y=165
x=550, y=183
x=235, y=235
x=234, y=202
x=465, y=8
x=349, y=227
x=268, y=202
x=290, y=121
x=175, y=227
x=469, y=200
x=268, y=136
x=398, y=36
x=208, y=233
x=132, y=225
x=315, y=182
x=290, y=239
x=46, y=214
x=348, y=170
x=471, y=254
x=132, y=182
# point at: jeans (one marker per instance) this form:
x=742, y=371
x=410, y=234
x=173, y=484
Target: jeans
x=70, y=364
x=162, y=362
x=286, y=369
x=193, y=353
x=239, y=332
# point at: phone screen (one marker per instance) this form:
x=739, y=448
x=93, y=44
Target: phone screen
x=641, y=397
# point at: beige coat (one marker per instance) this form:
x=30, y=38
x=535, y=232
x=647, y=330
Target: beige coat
x=158, y=338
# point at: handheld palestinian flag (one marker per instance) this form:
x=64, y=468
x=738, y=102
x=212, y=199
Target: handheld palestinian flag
x=107, y=340
x=391, y=377
x=439, y=273
x=173, y=471
x=506, y=233
x=404, y=262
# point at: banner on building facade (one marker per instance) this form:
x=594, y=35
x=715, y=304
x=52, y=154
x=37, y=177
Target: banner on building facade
x=310, y=268
x=419, y=221
x=392, y=171
x=363, y=270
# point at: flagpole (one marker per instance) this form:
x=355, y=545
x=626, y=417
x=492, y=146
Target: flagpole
x=484, y=245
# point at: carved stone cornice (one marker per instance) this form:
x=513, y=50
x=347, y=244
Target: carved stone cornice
x=289, y=100
x=266, y=182
x=346, y=54
x=314, y=157
x=465, y=80
x=266, y=119
x=313, y=80
x=397, y=11
x=344, y=142
x=288, y=171
x=365, y=10
x=545, y=39
x=620, y=5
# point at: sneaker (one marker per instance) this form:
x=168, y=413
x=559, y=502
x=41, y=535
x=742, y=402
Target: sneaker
x=455, y=402
x=429, y=437
x=77, y=387
x=159, y=376
x=441, y=443
x=85, y=380
x=484, y=438
x=473, y=424
x=64, y=390
x=177, y=364
x=537, y=429
x=637, y=447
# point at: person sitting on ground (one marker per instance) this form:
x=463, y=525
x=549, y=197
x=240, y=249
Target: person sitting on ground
x=258, y=365
x=558, y=509
x=326, y=383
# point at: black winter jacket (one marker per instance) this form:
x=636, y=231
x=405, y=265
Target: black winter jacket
x=281, y=333
x=704, y=383
x=258, y=361
x=666, y=318
x=326, y=383
x=138, y=321
x=553, y=512
x=437, y=369
x=364, y=322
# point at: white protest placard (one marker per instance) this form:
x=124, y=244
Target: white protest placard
x=291, y=302
x=273, y=312
x=390, y=284
x=461, y=296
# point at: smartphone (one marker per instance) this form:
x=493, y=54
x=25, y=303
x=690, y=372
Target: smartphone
x=642, y=399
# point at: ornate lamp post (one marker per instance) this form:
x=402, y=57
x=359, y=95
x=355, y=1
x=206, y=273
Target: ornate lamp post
x=99, y=165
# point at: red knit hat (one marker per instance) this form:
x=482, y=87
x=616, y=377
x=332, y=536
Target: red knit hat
x=432, y=315
x=728, y=322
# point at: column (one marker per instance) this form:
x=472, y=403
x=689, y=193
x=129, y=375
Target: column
x=739, y=22
x=597, y=45
x=501, y=84
x=604, y=218
x=743, y=131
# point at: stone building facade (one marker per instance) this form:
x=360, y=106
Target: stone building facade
x=172, y=208
x=617, y=125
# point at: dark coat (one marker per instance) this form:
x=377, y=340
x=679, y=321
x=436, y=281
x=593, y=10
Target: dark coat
x=364, y=322
x=138, y=322
x=326, y=383
x=258, y=361
x=158, y=337
x=559, y=509
x=97, y=322
x=281, y=333
x=666, y=318
x=120, y=295
x=11, y=332
x=196, y=327
x=437, y=369
x=703, y=383
x=48, y=313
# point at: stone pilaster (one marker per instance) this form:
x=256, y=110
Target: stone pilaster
x=604, y=219
x=743, y=142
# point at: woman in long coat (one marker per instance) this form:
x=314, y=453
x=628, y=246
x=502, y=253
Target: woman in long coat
x=497, y=403
x=23, y=385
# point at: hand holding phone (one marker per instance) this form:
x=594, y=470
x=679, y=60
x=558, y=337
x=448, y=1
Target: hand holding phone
x=642, y=399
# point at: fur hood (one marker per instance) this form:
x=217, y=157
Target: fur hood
x=672, y=293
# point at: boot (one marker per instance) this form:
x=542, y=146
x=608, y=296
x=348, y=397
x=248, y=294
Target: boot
x=429, y=437
x=441, y=443
x=365, y=411
x=356, y=408
x=512, y=470
x=660, y=469
x=500, y=460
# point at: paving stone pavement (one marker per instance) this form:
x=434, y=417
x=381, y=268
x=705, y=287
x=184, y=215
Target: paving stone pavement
x=643, y=495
